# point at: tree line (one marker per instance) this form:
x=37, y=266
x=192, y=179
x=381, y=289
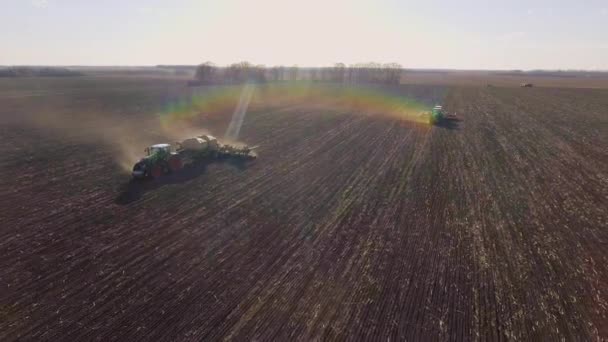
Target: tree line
x=38, y=72
x=209, y=73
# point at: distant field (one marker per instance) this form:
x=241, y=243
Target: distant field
x=350, y=225
x=508, y=79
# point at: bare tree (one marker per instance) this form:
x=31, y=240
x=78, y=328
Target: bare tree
x=247, y=72
x=339, y=71
x=276, y=73
x=388, y=73
x=293, y=73
x=392, y=73
x=206, y=72
x=259, y=73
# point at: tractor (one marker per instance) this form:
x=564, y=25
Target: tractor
x=155, y=163
x=438, y=115
x=165, y=158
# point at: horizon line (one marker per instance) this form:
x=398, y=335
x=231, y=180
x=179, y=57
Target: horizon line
x=288, y=66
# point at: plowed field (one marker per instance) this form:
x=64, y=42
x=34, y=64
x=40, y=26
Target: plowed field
x=348, y=226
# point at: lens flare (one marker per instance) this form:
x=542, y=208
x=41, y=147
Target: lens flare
x=355, y=99
x=238, y=117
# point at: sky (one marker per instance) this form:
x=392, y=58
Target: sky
x=463, y=34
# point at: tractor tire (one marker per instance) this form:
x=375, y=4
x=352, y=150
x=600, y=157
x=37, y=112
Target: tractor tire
x=175, y=163
x=157, y=171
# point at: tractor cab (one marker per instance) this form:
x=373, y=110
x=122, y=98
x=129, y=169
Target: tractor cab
x=156, y=155
x=436, y=114
x=438, y=110
x=160, y=149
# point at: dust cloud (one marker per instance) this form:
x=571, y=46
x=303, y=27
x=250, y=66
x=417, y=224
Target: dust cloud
x=128, y=133
x=125, y=135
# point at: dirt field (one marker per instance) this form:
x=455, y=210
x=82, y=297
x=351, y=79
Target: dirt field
x=348, y=226
x=570, y=79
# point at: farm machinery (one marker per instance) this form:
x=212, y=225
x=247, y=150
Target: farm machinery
x=438, y=115
x=163, y=159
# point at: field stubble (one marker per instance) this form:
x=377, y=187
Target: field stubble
x=348, y=225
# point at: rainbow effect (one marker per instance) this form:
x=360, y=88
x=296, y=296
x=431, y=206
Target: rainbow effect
x=356, y=99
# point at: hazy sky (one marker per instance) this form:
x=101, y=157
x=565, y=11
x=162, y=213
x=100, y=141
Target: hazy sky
x=465, y=34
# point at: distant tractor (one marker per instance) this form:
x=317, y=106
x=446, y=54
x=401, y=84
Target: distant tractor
x=527, y=85
x=438, y=115
x=162, y=159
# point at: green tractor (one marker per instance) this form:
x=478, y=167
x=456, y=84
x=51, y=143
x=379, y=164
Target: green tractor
x=437, y=115
x=159, y=160
x=162, y=159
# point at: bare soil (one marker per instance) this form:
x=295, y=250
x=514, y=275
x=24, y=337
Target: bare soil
x=348, y=226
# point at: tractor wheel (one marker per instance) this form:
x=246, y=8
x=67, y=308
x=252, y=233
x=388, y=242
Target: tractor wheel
x=157, y=171
x=175, y=164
